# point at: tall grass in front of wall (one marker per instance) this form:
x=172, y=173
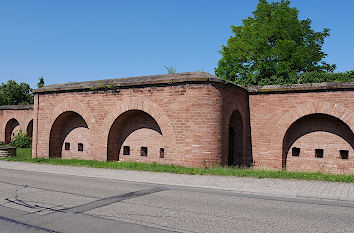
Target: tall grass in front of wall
x=24, y=147
x=25, y=154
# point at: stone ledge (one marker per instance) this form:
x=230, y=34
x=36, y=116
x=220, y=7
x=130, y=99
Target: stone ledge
x=188, y=77
x=7, y=151
x=326, y=86
x=16, y=107
x=180, y=78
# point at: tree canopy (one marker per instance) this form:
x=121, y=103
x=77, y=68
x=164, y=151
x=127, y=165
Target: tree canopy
x=12, y=93
x=273, y=47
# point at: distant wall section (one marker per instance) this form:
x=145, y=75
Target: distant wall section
x=13, y=119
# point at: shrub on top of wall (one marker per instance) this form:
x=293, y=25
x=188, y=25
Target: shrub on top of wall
x=294, y=78
x=318, y=77
x=21, y=140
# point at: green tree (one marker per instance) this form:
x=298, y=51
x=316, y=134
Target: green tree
x=41, y=82
x=271, y=46
x=12, y=93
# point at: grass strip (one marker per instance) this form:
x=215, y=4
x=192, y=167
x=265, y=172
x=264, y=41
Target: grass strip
x=25, y=156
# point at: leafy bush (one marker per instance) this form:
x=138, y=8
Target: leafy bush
x=21, y=140
x=318, y=77
x=293, y=78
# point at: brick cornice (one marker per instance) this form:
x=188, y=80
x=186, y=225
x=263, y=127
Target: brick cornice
x=300, y=88
x=141, y=81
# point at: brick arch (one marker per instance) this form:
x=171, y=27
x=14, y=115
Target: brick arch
x=134, y=129
x=23, y=117
x=145, y=105
x=309, y=108
x=4, y=127
x=228, y=114
x=328, y=108
x=308, y=133
x=235, y=139
x=63, y=125
x=29, y=128
x=230, y=111
x=69, y=105
x=11, y=124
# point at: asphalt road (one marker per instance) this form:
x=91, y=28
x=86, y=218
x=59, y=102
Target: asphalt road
x=44, y=202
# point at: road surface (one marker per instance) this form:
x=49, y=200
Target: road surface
x=47, y=202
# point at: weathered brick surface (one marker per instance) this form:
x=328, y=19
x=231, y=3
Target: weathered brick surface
x=235, y=114
x=189, y=116
x=70, y=128
x=12, y=119
x=319, y=131
x=135, y=129
x=273, y=113
x=185, y=120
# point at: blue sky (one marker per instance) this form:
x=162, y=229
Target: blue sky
x=78, y=40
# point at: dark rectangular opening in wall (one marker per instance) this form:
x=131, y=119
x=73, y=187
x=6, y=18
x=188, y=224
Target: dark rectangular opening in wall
x=162, y=152
x=144, y=151
x=80, y=147
x=296, y=151
x=344, y=154
x=67, y=145
x=319, y=153
x=126, y=150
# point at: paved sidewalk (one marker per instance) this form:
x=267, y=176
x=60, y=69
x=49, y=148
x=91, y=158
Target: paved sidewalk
x=274, y=187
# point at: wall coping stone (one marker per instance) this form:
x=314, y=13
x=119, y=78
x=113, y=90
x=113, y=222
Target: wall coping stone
x=16, y=107
x=188, y=77
x=7, y=147
x=6, y=151
x=307, y=87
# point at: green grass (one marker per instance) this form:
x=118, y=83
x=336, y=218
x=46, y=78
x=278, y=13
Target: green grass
x=25, y=155
x=22, y=154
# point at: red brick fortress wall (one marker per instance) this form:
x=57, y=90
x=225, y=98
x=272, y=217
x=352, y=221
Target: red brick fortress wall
x=292, y=126
x=236, y=134
x=191, y=119
x=174, y=120
x=13, y=119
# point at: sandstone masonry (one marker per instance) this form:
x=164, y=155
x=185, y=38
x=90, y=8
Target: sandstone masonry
x=192, y=119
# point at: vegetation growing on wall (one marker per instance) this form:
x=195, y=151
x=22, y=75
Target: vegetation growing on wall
x=307, y=77
x=170, y=69
x=41, y=82
x=104, y=87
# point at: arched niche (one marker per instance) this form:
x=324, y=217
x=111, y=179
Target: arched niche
x=235, y=140
x=135, y=136
x=317, y=140
x=29, y=129
x=11, y=129
x=69, y=137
